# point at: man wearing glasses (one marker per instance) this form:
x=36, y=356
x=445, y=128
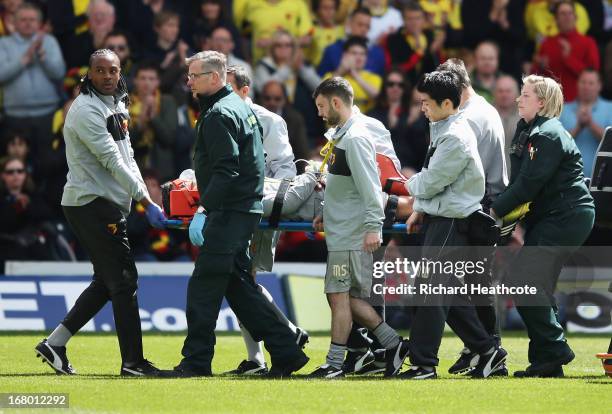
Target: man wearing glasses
x=229, y=168
x=279, y=165
x=117, y=41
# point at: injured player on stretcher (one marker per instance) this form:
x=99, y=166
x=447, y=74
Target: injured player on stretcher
x=304, y=196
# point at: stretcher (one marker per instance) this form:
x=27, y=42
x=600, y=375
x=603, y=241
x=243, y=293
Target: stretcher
x=284, y=226
x=180, y=199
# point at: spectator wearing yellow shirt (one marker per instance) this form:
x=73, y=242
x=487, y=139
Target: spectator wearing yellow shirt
x=366, y=85
x=264, y=17
x=325, y=31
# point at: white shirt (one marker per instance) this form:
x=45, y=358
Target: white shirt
x=391, y=20
x=278, y=152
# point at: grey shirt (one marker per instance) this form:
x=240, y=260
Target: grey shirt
x=353, y=201
x=451, y=183
x=99, y=154
x=30, y=90
x=484, y=120
x=378, y=133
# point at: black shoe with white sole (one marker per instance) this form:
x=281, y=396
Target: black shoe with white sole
x=356, y=361
x=501, y=371
x=326, y=371
x=376, y=367
x=488, y=363
x=467, y=361
x=301, y=337
x=395, y=358
x=144, y=368
x=55, y=357
x=418, y=373
x=249, y=368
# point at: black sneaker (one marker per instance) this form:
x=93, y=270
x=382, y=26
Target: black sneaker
x=55, y=357
x=501, y=371
x=183, y=372
x=301, y=337
x=418, y=373
x=376, y=367
x=556, y=372
x=395, y=358
x=144, y=368
x=326, y=371
x=357, y=360
x=286, y=370
x=467, y=361
x=249, y=368
x=488, y=363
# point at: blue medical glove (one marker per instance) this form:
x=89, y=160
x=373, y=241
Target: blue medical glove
x=155, y=215
x=195, y=229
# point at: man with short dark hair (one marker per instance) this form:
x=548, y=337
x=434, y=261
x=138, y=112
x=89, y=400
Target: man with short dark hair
x=488, y=129
x=359, y=25
x=352, y=219
x=154, y=122
x=366, y=85
x=229, y=168
x=447, y=192
x=118, y=42
x=103, y=179
x=274, y=99
x=412, y=48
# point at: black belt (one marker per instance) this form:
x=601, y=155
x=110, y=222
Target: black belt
x=279, y=200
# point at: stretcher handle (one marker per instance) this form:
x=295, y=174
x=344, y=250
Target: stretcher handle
x=286, y=226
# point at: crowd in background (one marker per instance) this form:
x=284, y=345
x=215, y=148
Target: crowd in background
x=288, y=46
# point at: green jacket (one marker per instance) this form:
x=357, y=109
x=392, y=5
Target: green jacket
x=228, y=154
x=546, y=171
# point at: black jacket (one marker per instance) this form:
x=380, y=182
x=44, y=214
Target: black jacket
x=228, y=154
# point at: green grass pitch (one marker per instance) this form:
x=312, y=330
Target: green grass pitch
x=97, y=388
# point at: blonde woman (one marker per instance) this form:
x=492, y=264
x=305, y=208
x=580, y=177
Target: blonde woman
x=285, y=63
x=547, y=177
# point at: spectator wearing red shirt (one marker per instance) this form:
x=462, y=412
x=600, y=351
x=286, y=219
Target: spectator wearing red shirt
x=567, y=54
